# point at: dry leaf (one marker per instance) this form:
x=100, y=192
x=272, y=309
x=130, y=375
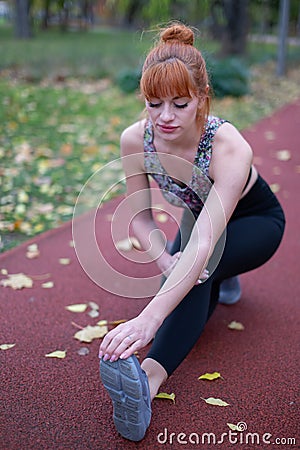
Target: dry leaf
x=101, y=323
x=78, y=308
x=236, y=326
x=6, y=346
x=270, y=135
x=283, y=155
x=93, y=313
x=275, y=187
x=162, y=217
x=32, y=251
x=166, y=396
x=17, y=281
x=83, y=351
x=57, y=354
x=215, y=401
x=48, y=285
x=210, y=376
x=128, y=244
x=89, y=333
x=64, y=261
x=114, y=323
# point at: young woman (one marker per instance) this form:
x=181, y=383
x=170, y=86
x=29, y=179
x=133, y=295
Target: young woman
x=232, y=223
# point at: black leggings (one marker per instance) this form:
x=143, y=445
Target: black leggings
x=253, y=235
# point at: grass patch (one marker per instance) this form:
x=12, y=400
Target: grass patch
x=55, y=135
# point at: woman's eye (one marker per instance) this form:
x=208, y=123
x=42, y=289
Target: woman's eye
x=154, y=105
x=184, y=105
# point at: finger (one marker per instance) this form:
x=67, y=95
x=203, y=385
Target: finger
x=132, y=349
x=117, y=346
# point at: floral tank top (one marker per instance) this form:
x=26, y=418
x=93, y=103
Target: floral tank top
x=194, y=194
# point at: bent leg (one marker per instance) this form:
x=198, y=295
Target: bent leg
x=250, y=242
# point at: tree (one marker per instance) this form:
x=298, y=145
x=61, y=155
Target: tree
x=230, y=24
x=22, y=19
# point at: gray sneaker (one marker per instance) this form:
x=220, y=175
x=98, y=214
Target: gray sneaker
x=127, y=385
x=230, y=291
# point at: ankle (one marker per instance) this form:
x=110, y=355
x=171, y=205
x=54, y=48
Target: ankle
x=156, y=375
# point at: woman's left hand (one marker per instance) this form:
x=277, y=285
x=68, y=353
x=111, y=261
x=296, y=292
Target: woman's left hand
x=127, y=338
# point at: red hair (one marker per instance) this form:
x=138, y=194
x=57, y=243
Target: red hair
x=175, y=68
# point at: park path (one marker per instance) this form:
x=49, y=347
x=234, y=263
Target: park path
x=50, y=403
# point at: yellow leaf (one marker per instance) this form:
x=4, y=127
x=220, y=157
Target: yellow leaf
x=48, y=285
x=17, y=281
x=283, y=155
x=162, y=217
x=6, y=346
x=233, y=427
x=78, y=308
x=101, y=323
x=166, y=396
x=114, y=323
x=236, y=326
x=275, y=187
x=89, y=333
x=32, y=251
x=210, y=376
x=215, y=401
x=57, y=354
x=64, y=261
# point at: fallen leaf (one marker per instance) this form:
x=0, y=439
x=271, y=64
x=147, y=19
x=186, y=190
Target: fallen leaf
x=6, y=346
x=32, y=251
x=48, y=285
x=162, y=217
x=210, y=376
x=64, y=261
x=270, y=135
x=83, y=351
x=4, y=272
x=166, y=396
x=89, y=333
x=94, y=305
x=128, y=244
x=283, y=155
x=57, y=354
x=236, y=326
x=114, y=323
x=215, y=401
x=78, y=308
x=17, y=281
x=101, y=323
x=93, y=313
x=275, y=187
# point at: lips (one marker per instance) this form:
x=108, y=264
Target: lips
x=167, y=128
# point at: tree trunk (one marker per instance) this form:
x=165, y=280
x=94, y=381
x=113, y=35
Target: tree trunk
x=236, y=29
x=22, y=19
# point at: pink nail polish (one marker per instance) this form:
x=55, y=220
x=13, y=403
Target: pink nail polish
x=106, y=357
x=100, y=354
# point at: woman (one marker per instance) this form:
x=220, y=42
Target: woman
x=232, y=223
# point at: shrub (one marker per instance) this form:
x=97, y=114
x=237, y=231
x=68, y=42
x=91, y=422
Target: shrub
x=229, y=77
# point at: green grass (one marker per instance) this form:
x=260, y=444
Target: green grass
x=54, y=136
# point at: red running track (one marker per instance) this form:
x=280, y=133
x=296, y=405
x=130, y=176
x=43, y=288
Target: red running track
x=49, y=403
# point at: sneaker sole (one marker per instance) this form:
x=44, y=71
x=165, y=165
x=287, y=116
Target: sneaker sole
x=127, y=385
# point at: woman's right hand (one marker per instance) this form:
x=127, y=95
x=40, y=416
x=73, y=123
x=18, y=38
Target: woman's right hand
x=167, y=262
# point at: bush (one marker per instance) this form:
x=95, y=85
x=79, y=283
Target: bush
x=229, y=77
x=128, y=80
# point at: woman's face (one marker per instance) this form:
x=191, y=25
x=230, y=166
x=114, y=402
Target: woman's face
x=173, y=117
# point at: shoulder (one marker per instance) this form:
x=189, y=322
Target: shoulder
x=132, y=138
x=230, y=140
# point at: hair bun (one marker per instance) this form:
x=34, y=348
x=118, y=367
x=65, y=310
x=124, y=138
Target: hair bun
x=179, y=33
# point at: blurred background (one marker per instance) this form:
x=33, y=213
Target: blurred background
x=69, y=74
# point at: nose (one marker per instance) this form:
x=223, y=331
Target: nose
x=167, y=114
